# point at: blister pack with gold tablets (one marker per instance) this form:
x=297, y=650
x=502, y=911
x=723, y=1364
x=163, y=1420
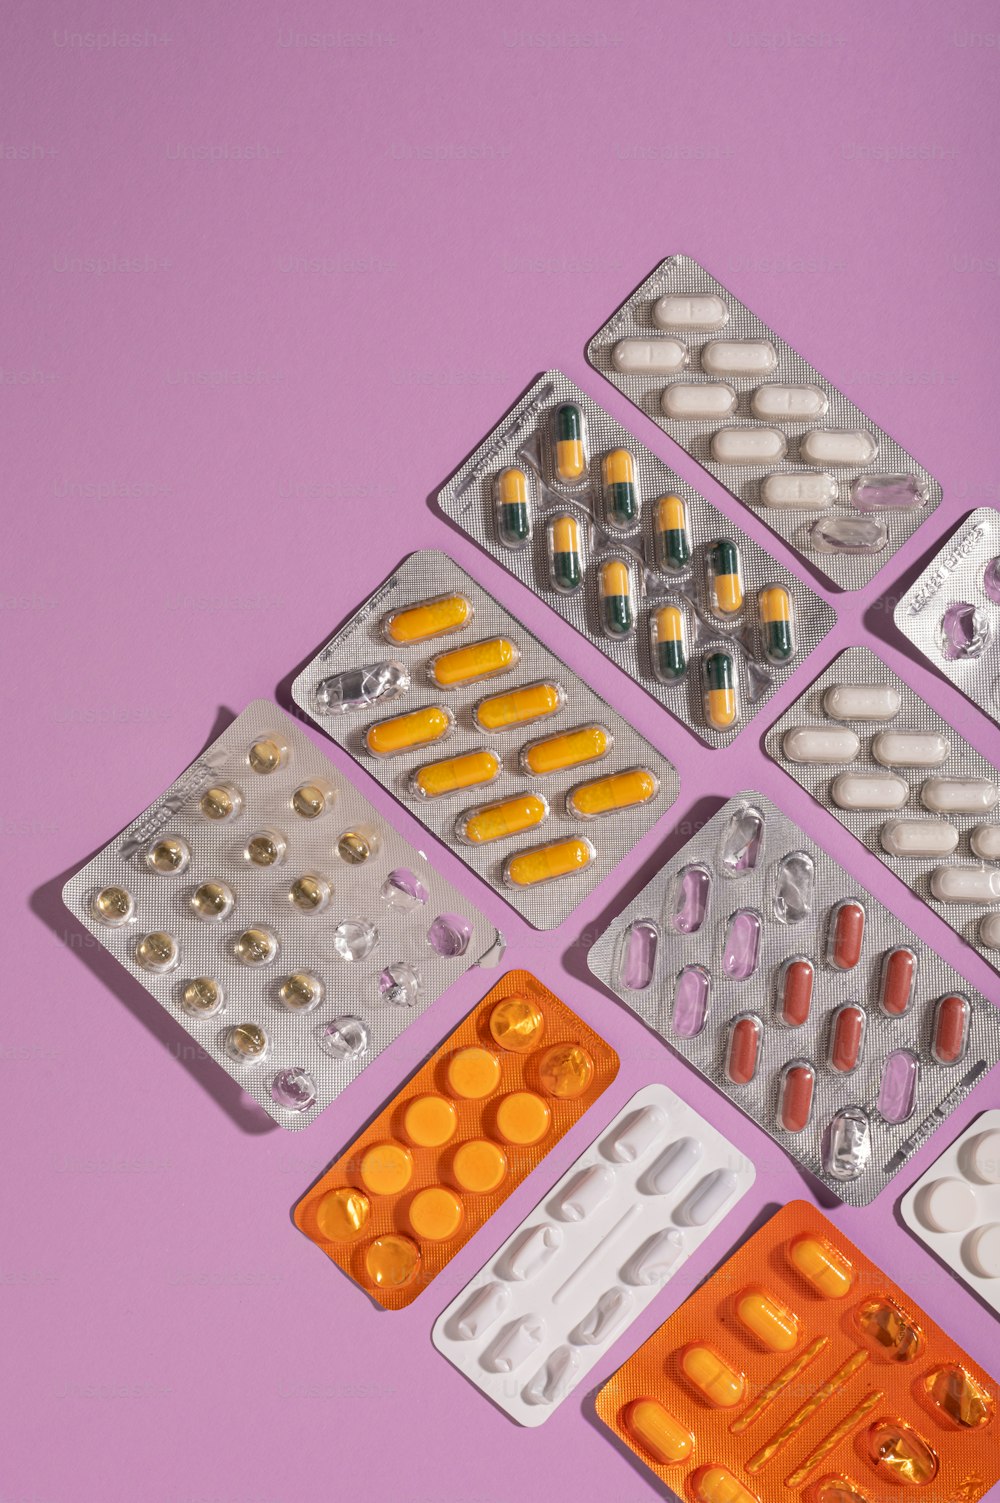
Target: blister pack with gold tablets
x=491, y=741
x=665, y=584
x=277, y=917
x=456, y=1139
x=775, y=432
x=800, y=1370
x=800, y=996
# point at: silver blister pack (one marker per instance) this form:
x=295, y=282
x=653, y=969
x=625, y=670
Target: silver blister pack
x=776, y=433
x=277, y=917
x=902, y=780
x=529, y=772
x=952, y=612
x=643, y=566
x=800, y=996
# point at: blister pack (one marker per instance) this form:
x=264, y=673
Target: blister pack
x=800, y=996
x=456, y=1139
x=800, y=1369
x=589, y=1258
x=952, y=612
x=954, y=1208
x=753, y=413
x=503, y=753
x=277, y=917
x=873, y=753
x=642, y=565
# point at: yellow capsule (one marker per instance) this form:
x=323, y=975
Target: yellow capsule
x=673, y=540
x=615, y=591
x=546, y=862
x=621, y=498
x=429, y=618
x=502, y=712
x=565, y=556
x=821, y=1265
x=725, y=577
x=770, y=1321
x=774, y=605
x=620, y=790
x=571, y=456
x=403, y=733
x=588, y=743
x=720, y=690
x=473, y=770
x=719, y=1383
x=467, y=665
x=658, y=1432
x=510, y=816
x=716, y=1484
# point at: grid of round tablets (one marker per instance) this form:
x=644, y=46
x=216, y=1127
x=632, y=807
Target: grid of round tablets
x=954, y=1208
x=456, y=1139
x=799, y=1369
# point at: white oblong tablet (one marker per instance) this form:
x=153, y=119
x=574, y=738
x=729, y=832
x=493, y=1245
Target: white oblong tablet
x=674, y=1164
x=947, y=1205
x=585, y=1192
x=532, y=1252
x=965, y=884
x=837, y=446
x=869, y=790
x=989, y=931
x=861, y=702
x=482, y=1311
x=807, y=492
x=748, y=446
x=918, y=837
x=817, y=744
x=649, y=357
x=654, y=1261
x=707, y=1199
x=911, y=749
x=985, y=842
x=637, y=1134
x=983, y=1251
x=515, y=1344
x=984, y=1156
x=738, y=357
x=959, y=795
x=776, y=404
x=690, y=310
x=606, y=1316
x=689, y=401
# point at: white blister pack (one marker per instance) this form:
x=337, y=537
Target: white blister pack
x=592, y=1255
x=954, y=1208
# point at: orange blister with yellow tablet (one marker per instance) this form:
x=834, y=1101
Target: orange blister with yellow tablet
x=459, y=1136
x=800, y=1370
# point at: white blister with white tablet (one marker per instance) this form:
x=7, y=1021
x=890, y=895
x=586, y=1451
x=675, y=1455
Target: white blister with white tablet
x=954, y=1209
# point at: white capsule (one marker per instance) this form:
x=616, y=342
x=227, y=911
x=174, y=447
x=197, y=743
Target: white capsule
x=805, y=492
x=637, y=1134
x=738, y=357
x=918, y=837
x=531, y=1252
x=911, y=749
x=837, y=446
x=861, y=702
x=748, y=446
x=817, y=744
x=707, y=1198
x=674, y=1164
x=515, y=1344
x=965, y=884
x=790, y=404
x=985, y=842
x=989, y=931
x=695, y=310
x=868, y=790
x=684, y=401
x=649, y=357
x=654, y=1261
x=959, y=795
x=586, y=1191
x=482, y=1311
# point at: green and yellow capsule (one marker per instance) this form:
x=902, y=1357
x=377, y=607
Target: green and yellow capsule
x=669, y=643
x=720, y=690
x=565, y=557
x=774, y=606
x=621, y=499
x=673, y=540
x=725, y=577
x=615, y=591
x=571, y=456
x=513, y=508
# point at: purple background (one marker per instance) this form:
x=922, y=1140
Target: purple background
x=212, y=458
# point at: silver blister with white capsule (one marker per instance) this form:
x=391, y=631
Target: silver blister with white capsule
x=751, y=859
x=780, y=436
x=954, y=1207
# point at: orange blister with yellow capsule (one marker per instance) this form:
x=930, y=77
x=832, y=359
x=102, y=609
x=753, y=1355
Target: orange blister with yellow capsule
x=460, y=1135
x=800, y=1370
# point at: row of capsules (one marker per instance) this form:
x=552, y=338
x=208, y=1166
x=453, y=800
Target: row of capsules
x=620, y=569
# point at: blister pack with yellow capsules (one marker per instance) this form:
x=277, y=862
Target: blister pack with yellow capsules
x=832, y=1025
x=800, y=1370
x=456, y=1139
x=869, y=749
x=764, y=422
x=501, y=751
x=277, y=917
x=666, y=585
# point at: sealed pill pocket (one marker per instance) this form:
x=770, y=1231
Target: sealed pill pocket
x=503, y=753
x=761, y=419
x=456, y=1139
x=801, y=1369
x=590, y=1257
x=800, y=996
x=278, y=917
x=954, y=1208
x=664, y=584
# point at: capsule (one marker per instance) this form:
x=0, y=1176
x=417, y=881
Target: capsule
x=965, y=884
x=869, y=790
x=959, y=795
x=695, y=310
x=910, y=749
x=985, y=842
x=773, y=1324
x=861, y=702
x=720, y=690
x=918, y=837
x=899, y=973
x=742, y=1049
x=403, y=733
x=621, y=498
x=513, y=507
x=587, y=743
x=821, y=1265
x=704, y=401
x=748, y=445
x=545, y=863
x=522, y=706
x=847, y=933
x=846, y=1038
x=725, y=577
x=823, y=446
x=723, y=1386
x=565, y=555
x=511, y=816
x=610, y=795
x=570, y=446
x=668, y=643
x=658, y=1432
x=795, y=1095
x=774, y=607
x=468, y=665
x=820, y=745
x=473, y=769
x=951, y=1029
x=716, y=1484
x=437, y=617
x=672, y=536
x=615, y=592
x=795, y=989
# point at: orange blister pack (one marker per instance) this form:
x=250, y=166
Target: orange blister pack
x=460, y=1135
x=799, y=1369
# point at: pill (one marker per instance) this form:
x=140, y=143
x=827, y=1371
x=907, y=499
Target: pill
x=617, y=605
x=861, y=702
x=910, y=749
x=386, y=1168
x=803, y=492
x=795, y=1096
x=517, y=1024
x=965, y=884
x=989, y=931
x=169, y=855
x=958, y=795
x=773, y=1324
x=712, y=1376
x=467, y=665
x=303, y=991
x=821, y=1265
x=342, y=1214
x=690, y=310
x=392, y=1262
x=985, y=842
x=869, y=790
x=437, y=617
x=795, y=989
x=837, y=446
x=474, y=769
x=565, y=556
x=585, y=1192
x=686, y=402
x=775, y=403
x=846, y=935
x=668, y=643
x=203, y=997
x=479, y=1166
x=820, y=745
x=720, y=690
x=657, y=1430
x=774, y=609
x=482, y=1311
x=523, y=1118
x=310, y=800
x=546, y=863
x=846, y=1037
x=570, y=448
x=473, y=1072
x=358, y=688
x=610, y=795
x=157, y=952
x=983, y=1251
x=725, y=577
x=430, y=1121
x=918, y=837
x=947, y=1205
x=621, y=498
x=716, y=1484
x=409, y=732
x=950, y=1038
x=899, y=973
x=649, y=357
x=513, y=507
x=505, y=712
x=707, y=1198
x=511, y=816
x=221, y=803
x=673, y=537
x=674, y=1165
x=748, y=446
x=738, y=357
x=984, y=1156
x=587, y=743
x=310, y=893
x=742, y=1049
x=654, y=1260
x=267, y=754
x=247, y=1043
x=256, y=946
x=436, y=1213
x=637, y=1135
x=114, y=906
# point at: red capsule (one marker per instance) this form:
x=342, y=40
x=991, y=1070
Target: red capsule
x=741, y=1055
x=796, y=1095
x=899, y=972
x=795, y=989
x=845, y=1040
x=951, y=1029
x=847, y=933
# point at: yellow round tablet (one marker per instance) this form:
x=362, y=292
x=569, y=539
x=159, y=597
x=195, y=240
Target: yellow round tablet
x=479, y=1165
x=523, y=1117
x=566, y=1071
x=517, y=1024
x=386, y=1168
x=436, y=1213
x=473, y=1072
x=342, y=1213
x=392, y=1262
x=430, y=1121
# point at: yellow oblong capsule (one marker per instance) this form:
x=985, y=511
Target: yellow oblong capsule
x=615, y=592
x=503, y=712
x=713, y=1377
x=570, y=443
x=437, y=617
x=403, y=733
x=821, y=1265
x=472, y=770
x=467, y=665
x=510, y=816
x=716, y=1484
x=658, y=1431
x=773, y=1324
x=620, y=790
x=547, y=862
x=588, y=743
